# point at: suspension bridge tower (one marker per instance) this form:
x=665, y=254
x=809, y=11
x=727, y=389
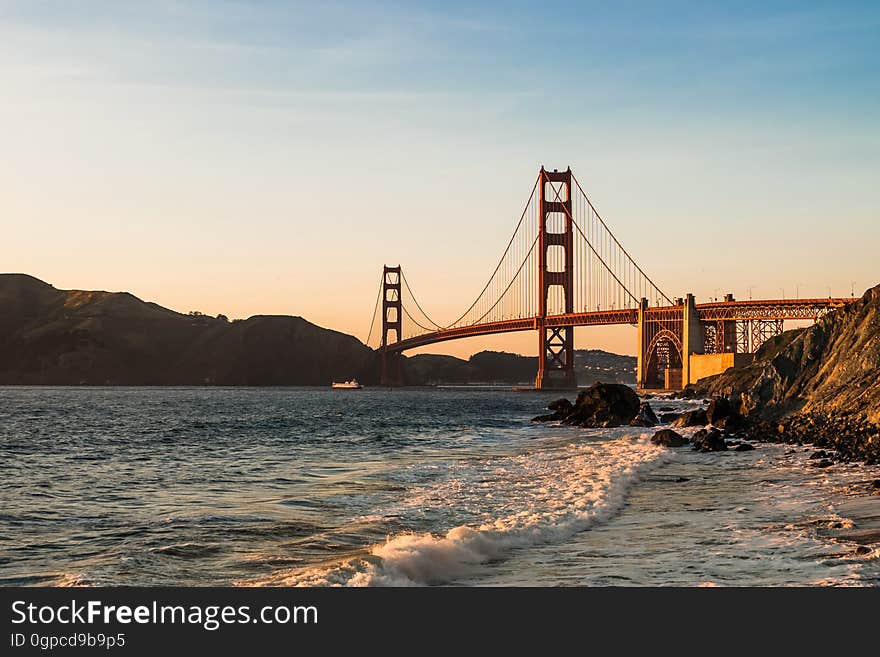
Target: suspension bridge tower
x=555, y=276
x=391, y=322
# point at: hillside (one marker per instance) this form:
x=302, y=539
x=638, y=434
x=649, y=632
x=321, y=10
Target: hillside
x=500, y=367
x=832, y=366
x=73, y=337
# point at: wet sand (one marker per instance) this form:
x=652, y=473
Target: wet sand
x=864, y=512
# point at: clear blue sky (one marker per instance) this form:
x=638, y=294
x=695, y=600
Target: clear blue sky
x=268, y=157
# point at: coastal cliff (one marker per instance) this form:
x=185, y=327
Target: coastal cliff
x=817, y=385
x=831, y=366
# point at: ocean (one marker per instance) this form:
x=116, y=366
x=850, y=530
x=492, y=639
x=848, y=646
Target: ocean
x=400, y=487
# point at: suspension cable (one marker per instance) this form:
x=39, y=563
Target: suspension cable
x=498, y=266
x=620, y=246
x=375, y=309
x=501, y=296
x=406, y=312
x=574, y=223
x=426, y=316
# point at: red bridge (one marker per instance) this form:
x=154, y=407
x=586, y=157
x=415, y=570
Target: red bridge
x=562, y=268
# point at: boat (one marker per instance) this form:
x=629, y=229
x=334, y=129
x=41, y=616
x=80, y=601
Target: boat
x=346, y=385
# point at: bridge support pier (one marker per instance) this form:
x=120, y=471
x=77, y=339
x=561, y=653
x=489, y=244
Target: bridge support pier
x=693, y=339
x=642, y=357
x=556, y=358
x=391, y=372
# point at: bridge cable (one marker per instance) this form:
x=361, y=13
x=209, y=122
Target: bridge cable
x=491, y=278
x=498, y=266
x=512, y=280
x=406, y=312
x=620, y=246
x=375, y=309
x=594, y=250
x=406, y=283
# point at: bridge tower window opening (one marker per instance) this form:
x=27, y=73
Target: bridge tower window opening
x=556, y=258
x=557, y=190
x=555, y=223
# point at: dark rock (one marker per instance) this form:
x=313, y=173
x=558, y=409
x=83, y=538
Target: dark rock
x=666, y=418
x=863, y=549
x=666, y=409
x=645, y=418
x=821, y=454
x=561, y=408
x=668, y=438
x=718, y=409
x=689, y=392
x=823, y=463
x=744, y=447
x=730, y=423
x=875, y=485
x=604, y=405
x=695, y=418
x=560, y=405
x=711, y=441
x=645, y=409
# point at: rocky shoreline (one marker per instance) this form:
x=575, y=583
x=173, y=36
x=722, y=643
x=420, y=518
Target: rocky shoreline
x=721, y=426
x=840, y=437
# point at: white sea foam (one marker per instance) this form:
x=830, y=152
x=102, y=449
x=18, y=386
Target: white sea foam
x=519, y=501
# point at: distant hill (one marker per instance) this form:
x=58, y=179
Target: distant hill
x=591, y=365
x=75, y=337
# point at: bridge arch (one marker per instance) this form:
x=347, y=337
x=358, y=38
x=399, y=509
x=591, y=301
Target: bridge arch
x=664, y=353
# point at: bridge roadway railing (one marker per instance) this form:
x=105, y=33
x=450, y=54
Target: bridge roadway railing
x=792, y=309
x=769, y=309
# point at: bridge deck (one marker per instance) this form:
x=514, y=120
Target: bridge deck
x=792, y=309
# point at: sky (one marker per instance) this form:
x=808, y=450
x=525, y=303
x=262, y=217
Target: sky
x=269, y=157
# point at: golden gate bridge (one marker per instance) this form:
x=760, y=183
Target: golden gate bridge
x=562, y=268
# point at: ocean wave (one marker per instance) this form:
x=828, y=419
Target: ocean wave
x=525, y=500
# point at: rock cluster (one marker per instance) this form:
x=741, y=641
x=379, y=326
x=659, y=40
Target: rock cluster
x=709, y=440
x=600, y=405
x=614, y=405
x=840, y=437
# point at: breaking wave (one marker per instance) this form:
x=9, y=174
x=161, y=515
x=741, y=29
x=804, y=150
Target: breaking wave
x=519, y=501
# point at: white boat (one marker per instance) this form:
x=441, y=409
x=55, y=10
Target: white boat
x=347, y=385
